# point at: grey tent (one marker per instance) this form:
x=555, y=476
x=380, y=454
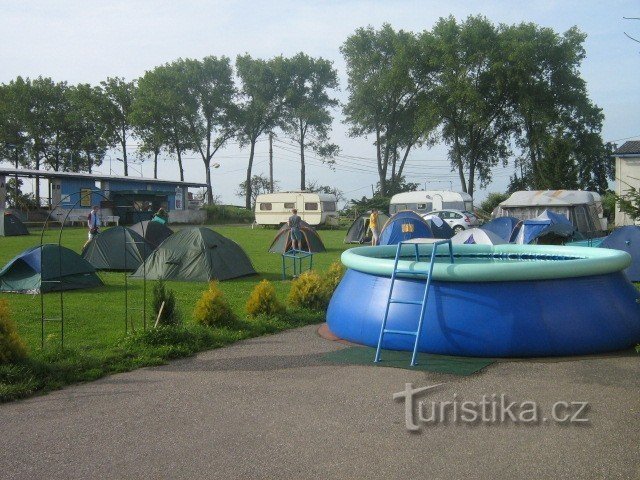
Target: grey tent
x=311, y=241
x=477, y=236
x=359, y=230
x=10, y=225
x=48, y=268
x=196, y=254
x=118, y=248
x=153, y=232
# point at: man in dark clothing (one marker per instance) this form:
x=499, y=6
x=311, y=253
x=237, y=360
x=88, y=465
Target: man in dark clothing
x=296, y=233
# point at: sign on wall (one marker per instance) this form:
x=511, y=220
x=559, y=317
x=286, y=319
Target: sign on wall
x=85, y=197
x=179, y=198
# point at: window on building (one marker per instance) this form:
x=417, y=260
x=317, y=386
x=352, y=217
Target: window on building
x=265, y=206
x=311, y=206
x=289, y=205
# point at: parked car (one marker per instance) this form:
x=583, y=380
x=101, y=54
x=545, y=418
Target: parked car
x=458, y=220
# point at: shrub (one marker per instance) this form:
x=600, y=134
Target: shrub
x=170, y=314
x=12, y=347
x=332, y=278
x=212, y=309
x=308, y=291
x=263, y=300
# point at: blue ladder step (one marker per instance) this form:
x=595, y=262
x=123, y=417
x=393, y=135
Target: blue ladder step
x=400, y=332
x=406, y=302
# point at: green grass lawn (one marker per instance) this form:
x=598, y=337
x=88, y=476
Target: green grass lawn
x=94, y=337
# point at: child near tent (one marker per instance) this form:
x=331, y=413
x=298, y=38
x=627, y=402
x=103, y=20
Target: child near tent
x=93, y=222
x=373, y=225
x=296, y=234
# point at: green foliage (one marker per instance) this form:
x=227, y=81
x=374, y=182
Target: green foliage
x=213, y=309
x=609, y=206
x=332, y=277
x=307, y=291
x=629, y=202
x=223, y=214
x=385, y=100
x=492, y=201
x=259, y=184
x=12, y=348
x=313, y=291
x=170, y=314
x=263, y=300
x=358, y=207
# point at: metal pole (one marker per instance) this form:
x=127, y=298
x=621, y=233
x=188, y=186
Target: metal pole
x=271, y=162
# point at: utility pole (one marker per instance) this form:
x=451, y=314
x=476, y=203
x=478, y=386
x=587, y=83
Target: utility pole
x=271, y=162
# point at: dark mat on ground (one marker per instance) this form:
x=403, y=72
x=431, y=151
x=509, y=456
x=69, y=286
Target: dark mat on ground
x=396, y=359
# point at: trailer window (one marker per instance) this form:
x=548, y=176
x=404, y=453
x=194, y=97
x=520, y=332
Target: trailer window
x=329, y=206
x=265, y=206
x=289, y=205
x=311, y=206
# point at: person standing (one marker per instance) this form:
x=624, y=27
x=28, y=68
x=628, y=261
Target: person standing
x=374, y=226
x=296, y=233
x=93, y=222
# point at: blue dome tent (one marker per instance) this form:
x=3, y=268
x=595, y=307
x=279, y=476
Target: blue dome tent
x=505, y=227
x=403, y=226
x=547, y=228
x=626, y=239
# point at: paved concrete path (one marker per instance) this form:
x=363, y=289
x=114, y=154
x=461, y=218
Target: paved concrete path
x=271, y=408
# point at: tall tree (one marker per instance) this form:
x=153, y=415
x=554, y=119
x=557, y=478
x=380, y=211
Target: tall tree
x=208, y=91
x=90, y=130
x=259, y=184
x=387, y=98
x=552, y=109
x=307, y=117
x=472, y=98
x=261, y=102
x=121, y=95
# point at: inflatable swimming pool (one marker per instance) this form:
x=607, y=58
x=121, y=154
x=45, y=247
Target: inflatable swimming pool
x=493, y=301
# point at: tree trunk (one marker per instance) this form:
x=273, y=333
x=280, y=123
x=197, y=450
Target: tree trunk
x=382, y=172
x=37, y=183
x=472, y=173
x=207, y=167
x=248, y=189
x=303, y=183
x=155, y=163
x=123, y=143
x=179, y=152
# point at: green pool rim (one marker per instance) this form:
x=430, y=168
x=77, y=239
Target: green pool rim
x=532, y=262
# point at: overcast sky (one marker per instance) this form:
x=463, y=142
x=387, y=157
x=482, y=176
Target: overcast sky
x=88, y=41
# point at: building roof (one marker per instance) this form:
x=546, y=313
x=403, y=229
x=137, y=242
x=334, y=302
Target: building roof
x=24, y=172
x=549, y=198
x=629, y=148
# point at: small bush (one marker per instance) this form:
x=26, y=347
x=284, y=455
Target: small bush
x=308, y=291
x=263, y=300
x=212, y=309
x=313, y=291
x=170, y=314
x=12, y=348
x=332, y=278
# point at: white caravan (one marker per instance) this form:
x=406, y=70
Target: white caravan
x=425, y=201
x=584, y=209
x=314, y=208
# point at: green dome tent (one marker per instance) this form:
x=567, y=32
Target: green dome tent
x=47, y=268
x=10, y=225
x=118, y=248
x=359, y=230
x=153, y=232
x=311, y=241
x=196, y=254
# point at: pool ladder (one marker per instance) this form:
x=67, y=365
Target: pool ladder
x=422, y=303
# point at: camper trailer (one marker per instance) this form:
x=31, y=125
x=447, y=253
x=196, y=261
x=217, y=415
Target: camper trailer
x=314, y=208
x=583, y=209
x=428, y=200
